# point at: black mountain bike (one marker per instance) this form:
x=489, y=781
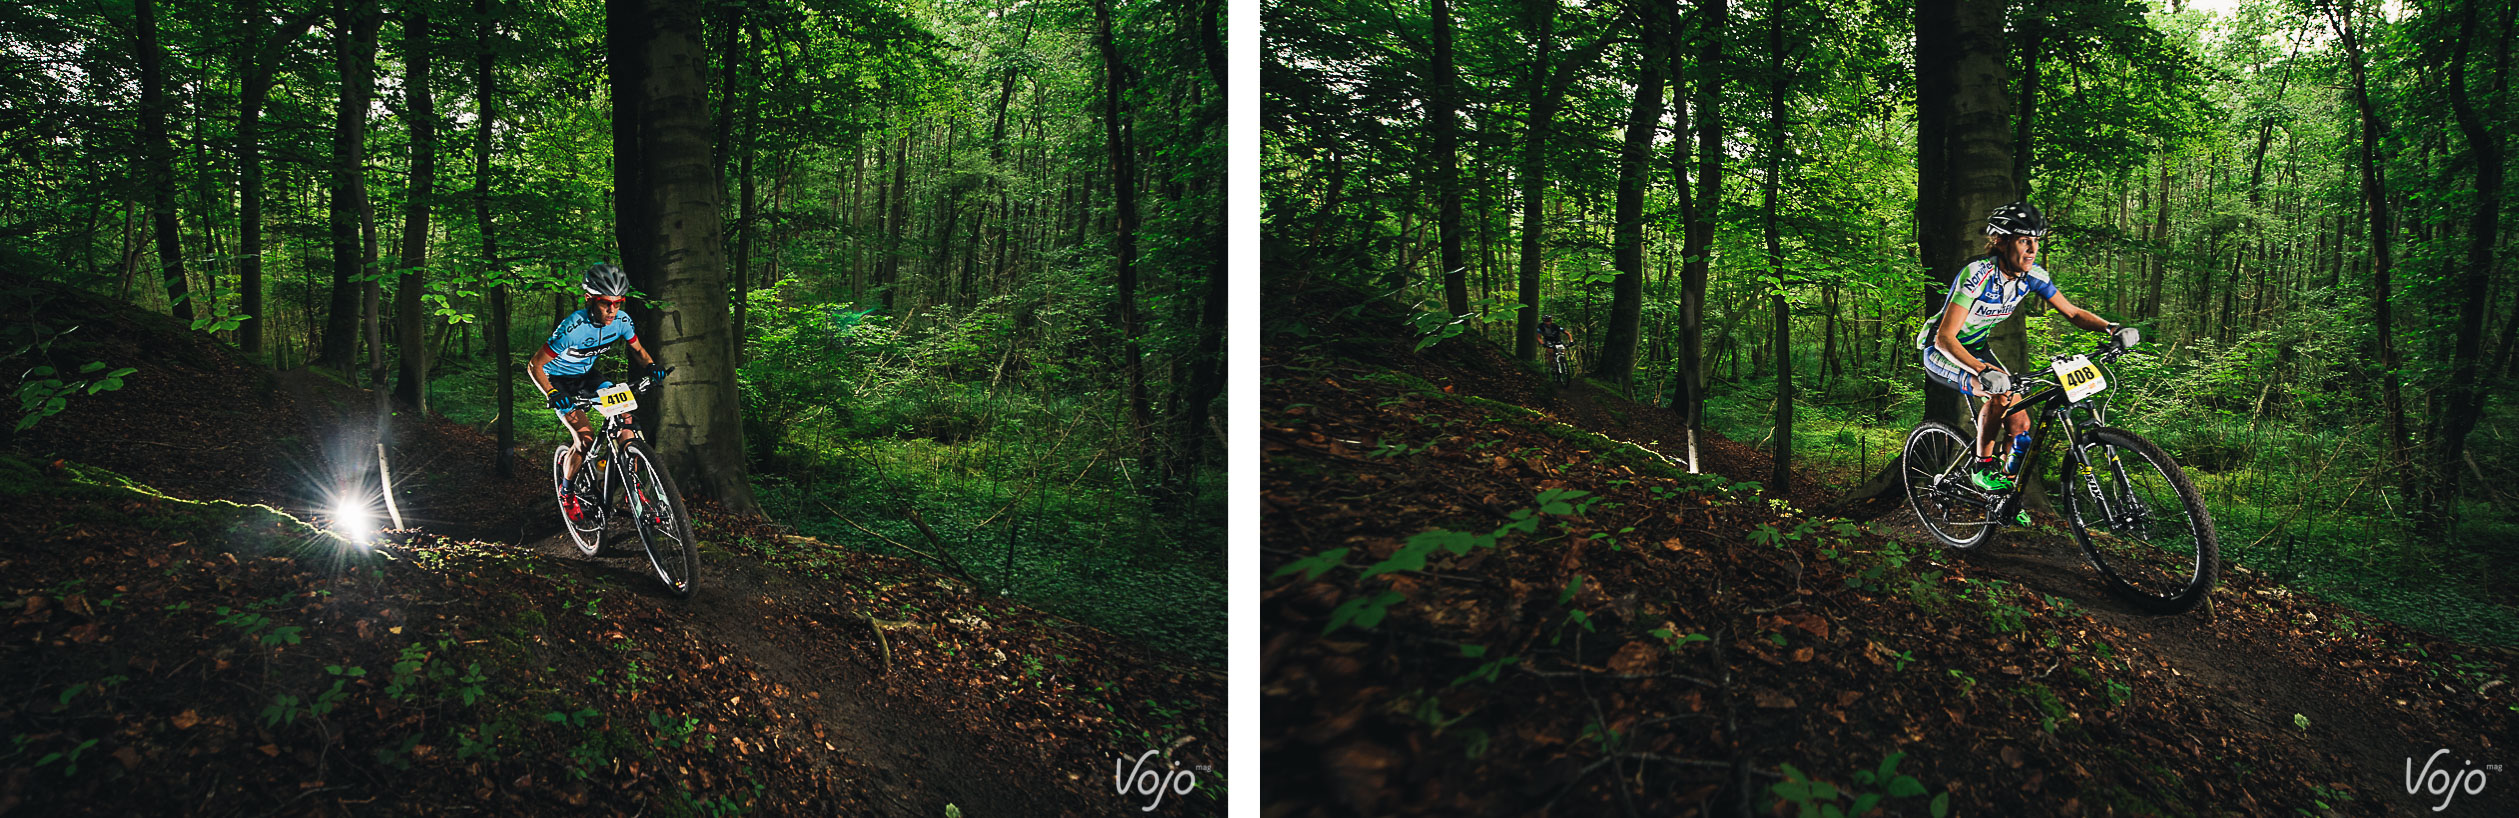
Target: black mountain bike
x=2132, y=509
x=621, y=480
x=1557, y=364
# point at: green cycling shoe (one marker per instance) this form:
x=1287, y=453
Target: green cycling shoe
x=1990, y=481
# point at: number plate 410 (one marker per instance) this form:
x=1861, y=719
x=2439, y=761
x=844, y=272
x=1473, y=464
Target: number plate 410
x=615, y=400
x=2080, y=377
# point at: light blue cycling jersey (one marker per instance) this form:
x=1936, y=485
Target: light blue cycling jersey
x=577, y=341
x=1992, y=297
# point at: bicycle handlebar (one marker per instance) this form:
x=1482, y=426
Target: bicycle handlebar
x=643, y=384
x=2107, y=351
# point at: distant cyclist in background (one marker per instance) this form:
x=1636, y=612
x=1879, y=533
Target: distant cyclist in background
x=564, y=368
x=1551, y=334
x=1988, y=289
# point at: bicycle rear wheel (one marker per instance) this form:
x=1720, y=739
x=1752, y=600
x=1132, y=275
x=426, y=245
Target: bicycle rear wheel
x=2142, y=522
x=585, y=530
x=663, y=522
x=1935, y=465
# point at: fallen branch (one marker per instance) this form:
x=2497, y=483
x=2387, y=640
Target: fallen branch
x=1574, y=674
x=955, y=567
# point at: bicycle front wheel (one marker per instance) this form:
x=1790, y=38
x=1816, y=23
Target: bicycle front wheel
x=582, y=515
x=663, y=522
x=1934, y=464
x=2142, y=522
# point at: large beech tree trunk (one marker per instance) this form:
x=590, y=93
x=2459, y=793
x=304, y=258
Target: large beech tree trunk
x=1964, y=158
x=673, y=242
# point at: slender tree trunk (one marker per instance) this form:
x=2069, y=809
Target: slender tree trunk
x=1617, y=361
x=2032, y=34
x=1702, y=210
x=745, y=214
x=1443, y=99
x=678, y=231
x=160, y=158
x=1124, y=233
x=1541, y=109
x=2382, y=230
x=1547, y=93
x=355, y=28
x=1780, y=482
x=2465, y=401
x=485, y=94
x=898, y=224
x=413, y=388
x=262, y=56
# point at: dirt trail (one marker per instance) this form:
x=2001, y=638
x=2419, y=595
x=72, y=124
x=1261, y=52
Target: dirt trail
x=2365, y=734
x=2236, y=659
x=790, y=633
x=801, y=638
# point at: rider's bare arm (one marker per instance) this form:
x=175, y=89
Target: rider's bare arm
x=2080, y=317
x=533, y=367
x=1947, y=337
x=644, y=359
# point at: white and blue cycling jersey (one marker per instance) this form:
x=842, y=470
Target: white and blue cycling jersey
x=1991, y=297
x=577, y=341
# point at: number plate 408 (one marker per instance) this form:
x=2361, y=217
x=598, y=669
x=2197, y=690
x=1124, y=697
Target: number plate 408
x=2080, y=377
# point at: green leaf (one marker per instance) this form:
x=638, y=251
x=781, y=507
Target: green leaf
x=1889, y=766
x=1941, y=806
x=1906, y=786
x=1473, y=651
x=1864, y=803
x=1572, y=586
x=91, y=366
x=1363, y=612
x=1314, y=566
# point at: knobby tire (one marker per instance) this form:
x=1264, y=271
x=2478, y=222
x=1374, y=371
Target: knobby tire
x=1934, y=464
x=2161, y=554
x=662, y=520
x=586, y=534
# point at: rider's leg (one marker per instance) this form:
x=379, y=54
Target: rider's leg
x=580, y=436
x=1988, y=417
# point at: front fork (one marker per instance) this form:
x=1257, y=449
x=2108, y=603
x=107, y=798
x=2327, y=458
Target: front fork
x=2117, y=511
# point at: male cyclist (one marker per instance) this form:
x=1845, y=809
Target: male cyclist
x=1551, y=334
x=1988, y=289
x=564, y=368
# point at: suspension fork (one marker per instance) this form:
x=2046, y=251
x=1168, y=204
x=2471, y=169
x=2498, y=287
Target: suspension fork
x=2081, y=465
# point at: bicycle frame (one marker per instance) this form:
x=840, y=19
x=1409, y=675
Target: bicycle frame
x=2054, y=410
x=608, y=442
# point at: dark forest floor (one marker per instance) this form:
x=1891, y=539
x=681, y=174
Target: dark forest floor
x=1653, y=644
x=174, y=640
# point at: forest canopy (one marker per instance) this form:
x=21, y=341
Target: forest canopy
x=945, y=279
x=1745, y=209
